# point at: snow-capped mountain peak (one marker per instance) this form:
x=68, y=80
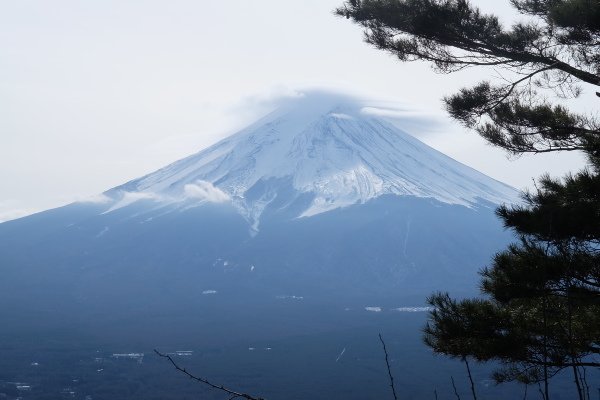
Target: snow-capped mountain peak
x=323, y=146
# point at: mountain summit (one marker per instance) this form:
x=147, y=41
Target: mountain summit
x=323, y=150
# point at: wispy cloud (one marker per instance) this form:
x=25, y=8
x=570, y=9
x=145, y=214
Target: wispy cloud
x=96, y=199
x=416, y=122
x=205, y=191
x=129, y=198
x=10, y=209
x=200, y=191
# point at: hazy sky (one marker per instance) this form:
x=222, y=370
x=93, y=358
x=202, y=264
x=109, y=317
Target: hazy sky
x=94, y=93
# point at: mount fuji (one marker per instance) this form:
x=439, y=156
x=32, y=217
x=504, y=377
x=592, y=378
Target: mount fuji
x=318, y=210
x=320, y=153
x=318, y=198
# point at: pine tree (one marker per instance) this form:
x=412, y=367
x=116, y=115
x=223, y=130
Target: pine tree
x=539, y=312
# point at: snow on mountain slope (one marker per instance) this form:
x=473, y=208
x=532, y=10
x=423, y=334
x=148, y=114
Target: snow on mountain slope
x=324, y=145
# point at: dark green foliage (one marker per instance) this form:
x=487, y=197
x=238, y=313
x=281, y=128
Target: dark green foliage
x=540, y=310
x=453, y=34
x=519, y=124
x=558, y=52
x=579, y=19
x=561, y=210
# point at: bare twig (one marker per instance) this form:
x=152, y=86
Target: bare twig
x=585, y=383
x=388, y=368
x=435, y=393
x=206, y=382
x=470, y=377
x=454, y=387
x=544, y=396
x=513, y=86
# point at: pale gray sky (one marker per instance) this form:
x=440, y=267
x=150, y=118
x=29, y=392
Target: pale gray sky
x=94, y=93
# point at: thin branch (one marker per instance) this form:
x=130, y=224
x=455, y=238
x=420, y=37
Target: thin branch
x=514, y=85
x=544, y=396
x=470, y=377
x=454, y=387
x=585, y=383
x=388, y=368
x=206, y=382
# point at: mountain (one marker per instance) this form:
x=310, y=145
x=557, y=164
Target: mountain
x=299, y=224
x=318, y=177
x=318, y=196
x=324, y=152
